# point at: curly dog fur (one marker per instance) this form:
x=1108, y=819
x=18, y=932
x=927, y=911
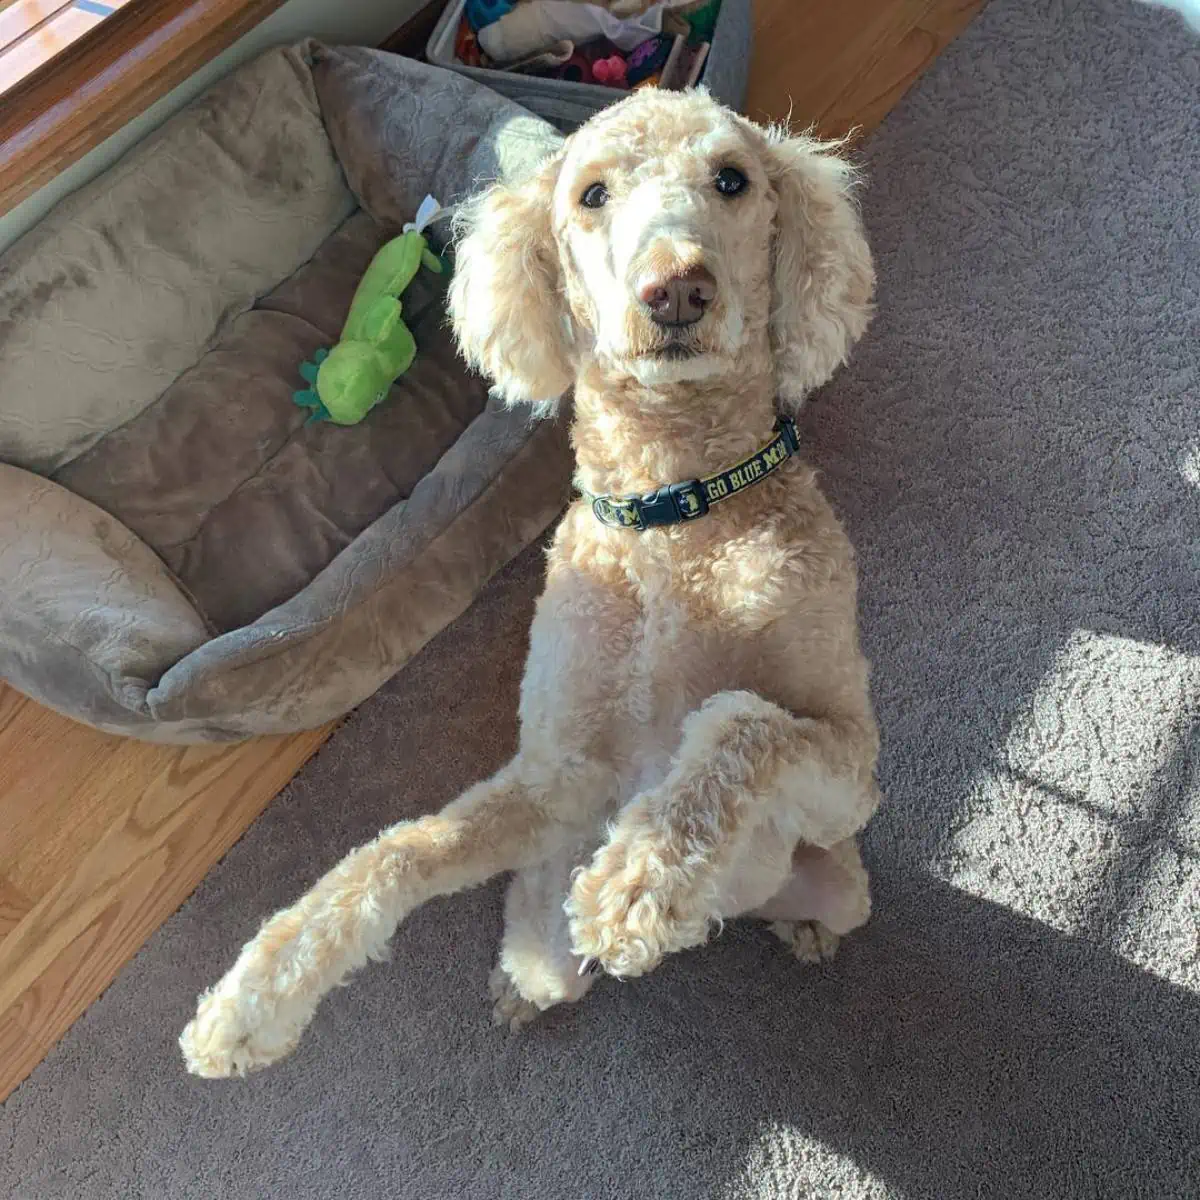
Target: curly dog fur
x=697, y=737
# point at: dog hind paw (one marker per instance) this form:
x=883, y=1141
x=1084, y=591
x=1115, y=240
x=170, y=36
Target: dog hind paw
x=809, y=941
x=510, y=1008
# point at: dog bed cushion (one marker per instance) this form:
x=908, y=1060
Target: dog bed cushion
x=186, y=557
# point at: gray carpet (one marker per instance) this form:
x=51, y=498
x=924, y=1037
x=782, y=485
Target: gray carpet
x=1017, y=451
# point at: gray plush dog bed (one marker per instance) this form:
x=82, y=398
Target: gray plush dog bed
x=182, y=557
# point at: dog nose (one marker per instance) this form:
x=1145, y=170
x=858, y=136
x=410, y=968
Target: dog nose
x=679, y=299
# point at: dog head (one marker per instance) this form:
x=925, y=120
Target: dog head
x=665, y=240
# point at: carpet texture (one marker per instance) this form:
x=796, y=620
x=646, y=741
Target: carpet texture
x=1016, y=449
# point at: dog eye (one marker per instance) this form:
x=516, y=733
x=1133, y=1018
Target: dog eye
x=596, y=196
x=730, y=181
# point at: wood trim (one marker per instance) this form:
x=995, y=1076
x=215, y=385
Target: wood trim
x=113, y=73
x=413, y=36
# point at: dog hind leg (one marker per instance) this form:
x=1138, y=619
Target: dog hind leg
x=826, y=897
x=536, y=968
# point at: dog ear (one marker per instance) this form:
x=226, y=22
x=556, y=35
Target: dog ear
x=823, y=278
x=506, y=301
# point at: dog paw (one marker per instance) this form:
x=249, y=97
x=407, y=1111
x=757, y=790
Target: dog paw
x=632, y=907
x=224, y=1040
x=510, y=1008
x=809, y=941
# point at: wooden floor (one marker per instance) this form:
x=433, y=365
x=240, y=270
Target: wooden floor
x=102, y=839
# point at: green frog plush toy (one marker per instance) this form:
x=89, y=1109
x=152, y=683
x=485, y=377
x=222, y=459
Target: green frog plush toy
x=376, y=347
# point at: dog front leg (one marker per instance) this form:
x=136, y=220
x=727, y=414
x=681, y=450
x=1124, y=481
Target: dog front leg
x=257, y=1012
x=743, y=763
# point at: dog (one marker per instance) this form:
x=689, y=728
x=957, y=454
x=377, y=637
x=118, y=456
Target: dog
x=697, y=738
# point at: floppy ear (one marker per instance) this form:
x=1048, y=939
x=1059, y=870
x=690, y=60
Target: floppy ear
x=506, y=301
x=823, y=278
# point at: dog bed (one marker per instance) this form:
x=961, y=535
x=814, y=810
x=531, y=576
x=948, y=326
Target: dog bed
x=182, y=556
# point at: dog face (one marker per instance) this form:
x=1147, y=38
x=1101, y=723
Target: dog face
x=667, y=239
x=663, y=216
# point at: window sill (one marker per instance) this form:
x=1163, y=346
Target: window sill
x=105, y=79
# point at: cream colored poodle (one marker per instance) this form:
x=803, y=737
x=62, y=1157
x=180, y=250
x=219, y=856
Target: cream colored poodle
x=697, y=738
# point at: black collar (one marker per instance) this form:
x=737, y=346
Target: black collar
x=676, y=503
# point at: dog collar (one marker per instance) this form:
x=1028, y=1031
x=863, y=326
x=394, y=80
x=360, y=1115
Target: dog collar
x=677, y=503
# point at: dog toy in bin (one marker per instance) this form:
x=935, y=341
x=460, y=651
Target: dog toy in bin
x=482, y=13
x=609, y=71
x=376, y=347
x=466, y=45
x=648, y=60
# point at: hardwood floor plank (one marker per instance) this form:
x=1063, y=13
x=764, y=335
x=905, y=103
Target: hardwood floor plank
x=871, y=95
x=69, y=946
x=18, y=1053
x=51, y=809
x=14, y=907
x=806, y=54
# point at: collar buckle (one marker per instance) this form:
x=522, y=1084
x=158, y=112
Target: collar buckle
x=673, y=503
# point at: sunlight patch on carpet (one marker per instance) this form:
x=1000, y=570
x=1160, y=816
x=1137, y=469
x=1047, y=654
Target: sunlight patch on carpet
x=1189, y=466
x=786, y=1163
x=1079, y=823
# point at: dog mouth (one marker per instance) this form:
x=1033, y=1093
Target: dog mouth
x=674, y=352
x=667, y=347
x=675, y=347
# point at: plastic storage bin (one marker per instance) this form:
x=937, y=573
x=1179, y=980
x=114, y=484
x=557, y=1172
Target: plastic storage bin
x=568, y=105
